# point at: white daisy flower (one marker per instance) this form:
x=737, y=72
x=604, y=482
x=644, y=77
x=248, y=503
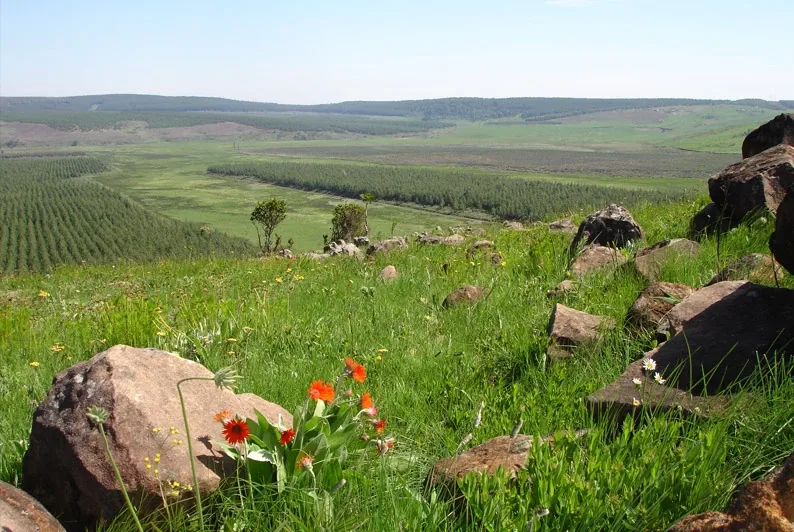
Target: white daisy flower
x=636, y=381
x=658, y=378
x=649, y=364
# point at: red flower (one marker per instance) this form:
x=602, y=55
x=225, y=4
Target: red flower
x=236, y=431
x=320, y=391
x=355, y=370
x=287, y=436
x=366, y=400
x=379, y=425
x=304, y=460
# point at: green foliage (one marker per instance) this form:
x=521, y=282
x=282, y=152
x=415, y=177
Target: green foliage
x=453, y=189
x=267, y=215
x=349, y=221
x=51, y=216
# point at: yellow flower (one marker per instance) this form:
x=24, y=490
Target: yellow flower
x=279, y=280
x=378, y=357
x=472, y=263
x=503, y=263
x=174, y=430
x=43, y=294
x=289, y=270
x=148, y=466
x=428, y=318
x=156, y=430
x=230, y=354
x=57, y=348
x=299, y=278
x=160, y=333
x=231, y=340
x=383, y=350
x=34, y=364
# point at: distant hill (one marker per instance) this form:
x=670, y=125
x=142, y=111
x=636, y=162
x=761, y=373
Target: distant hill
x=435, y=109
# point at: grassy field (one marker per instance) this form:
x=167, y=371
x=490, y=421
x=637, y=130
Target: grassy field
x=437, y=367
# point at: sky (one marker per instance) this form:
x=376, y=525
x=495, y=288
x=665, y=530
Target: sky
x=328, y=51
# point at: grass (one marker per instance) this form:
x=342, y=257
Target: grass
x=439, y=366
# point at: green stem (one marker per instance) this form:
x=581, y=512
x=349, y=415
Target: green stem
x=190, y=446
x=118, y=477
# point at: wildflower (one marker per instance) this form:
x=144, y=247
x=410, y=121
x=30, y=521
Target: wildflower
x=236, y=431
x=279, y=280
x=658, y=378
x=98, y=414
x=173, y=430
x=635, y=401
x=156, y=430
x=160, y=333
x=384, y=445
x=379, y=425
x=226, y=378
x=428, y=318
x=157, y=458
x=649, y=364
x=57, y=348
x=320, y=391
x=43, y=294
x=355, y=370
x=287, y=436
x=289, y=270
x=379, y=358
x=231, y=340
x=383, y=350
x=34, y=364
x=367, y=406
x=148, y=466
x=299, y=278
x=636, y=381
x=503, y=263
x=305, y=460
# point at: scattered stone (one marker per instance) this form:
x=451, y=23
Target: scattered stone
x=562, y=226
x=384, y=246
x=754, y=183
x=495, y=258
x=649, y=261
x=673, y=321
x=503, y=452
x=562, y=288
x=451, y=240
x=475, y=231
x=480, y=245
x=765, y=505
x=594, y=258
x=65, y=466
x=514, y=226
x=755, y=267
x=344, y=249
x=611, y=226
x=782, y=240
x=361, y=241
x=654, y=303
x=708, y=220
x=389, y=273
x=465, y=295
x=19, y=512
x=569, y=328
x=779, y=130
x=311, y=255
x=286, y=254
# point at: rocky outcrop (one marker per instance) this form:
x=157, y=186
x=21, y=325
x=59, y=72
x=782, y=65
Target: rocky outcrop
x=779, y=130
x=653, y=304
x=480, y=245
x=563, y=287
x=465, y=295
x=390, y=244
x=758, y=182
x=451, y=240
x=65, y=466
x=19, y=512
x=755, y=267
x=514, y=226
x=388, y=273
x=311, y=255
x=708, y=220
x=569, y=328
x=344, y=249
x=611, y=226
x=562, y=226
x=649, y=261
x=781, y=243
x=763, y=506
x=673, y=321
x=594, y=258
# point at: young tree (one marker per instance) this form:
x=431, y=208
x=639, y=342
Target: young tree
x=367, y=198
x=265, y=217
x=348, y=222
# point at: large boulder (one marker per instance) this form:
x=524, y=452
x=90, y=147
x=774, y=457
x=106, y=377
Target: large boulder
x=755, y=267
x=758, y=182
x=779, y=130
x=762, y=506
x=611, y=226
x=654, y=303
x=673, y=321
x=384, y=246
x=388, y=273
x=344, y=249
x=465, y=295
x=709, y=220
x=19, y=512
x=649, y=261
x=594, y=258
x=65, y=466
x=569, y=328
x=713, y=352
x=781, y=243
x=451, y=240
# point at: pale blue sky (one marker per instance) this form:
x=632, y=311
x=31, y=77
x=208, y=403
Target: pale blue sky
x=324, y=51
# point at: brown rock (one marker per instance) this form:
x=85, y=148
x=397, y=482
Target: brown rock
x=611, y=226
x=562, y=288
x=465, y=295
x=594, y=258
x=451, y=240
x=708, y=220
x=762, y=506
x=755, y=267
x=779, y=130
x=782, y=240
x=649, y=261
x=388, y=273
x=562, y=226
x=480, y=245
x=19, y=512
x=674, y=320
x=65, y=466
x=514, y=226
x=654, y=303
x=758, y=182
x=569, y=328
x=384, y=246
x=495, y=258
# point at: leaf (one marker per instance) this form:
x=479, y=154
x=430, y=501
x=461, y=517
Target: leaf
x=319, y=409
x=231, y=452
x=261, y=455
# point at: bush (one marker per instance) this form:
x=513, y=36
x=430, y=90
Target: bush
x=348, y=222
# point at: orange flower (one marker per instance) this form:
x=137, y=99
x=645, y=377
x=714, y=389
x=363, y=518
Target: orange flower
x=287, y=436
x=379, y=425
x=222, y=416
x=366, y=400
x=320, y=391
x=355, y=370
x=236, y=431
x=305, y=460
